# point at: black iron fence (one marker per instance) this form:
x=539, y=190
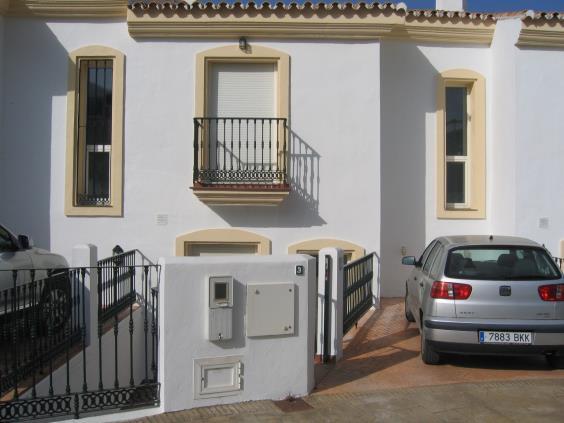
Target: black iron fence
x=240, y=151
x=56, y=360
x=357, y=284
x=39, y=318
x=115, y=281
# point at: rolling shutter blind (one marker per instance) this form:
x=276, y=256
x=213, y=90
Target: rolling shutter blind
x=242, y=90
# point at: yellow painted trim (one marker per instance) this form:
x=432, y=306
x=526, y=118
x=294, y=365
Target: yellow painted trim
x=68, y=8
x=301, y=25
x=116, y=166
x=359, y=24
x=542, y=35
x=255, y=53
x=355, y=250
x=241, y=198
x=464, y=31
x=222, y=236
x=476, y=145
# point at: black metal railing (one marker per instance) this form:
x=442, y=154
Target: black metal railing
x=115, y=279
x=357, y=284
x=39, y=319
x=46, y=331
x=240, y=151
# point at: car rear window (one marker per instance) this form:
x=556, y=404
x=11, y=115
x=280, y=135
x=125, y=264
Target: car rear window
x=500, y=263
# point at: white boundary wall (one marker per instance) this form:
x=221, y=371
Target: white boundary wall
x=273, y=367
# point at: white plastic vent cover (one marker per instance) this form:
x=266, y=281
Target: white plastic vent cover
x=217, y=377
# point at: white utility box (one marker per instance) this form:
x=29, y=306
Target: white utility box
x=270, y=309
x=220, y=322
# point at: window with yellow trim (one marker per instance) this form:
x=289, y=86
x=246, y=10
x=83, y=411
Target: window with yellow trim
x=461, y=145
x=311, y=247
x=221, y=242
x=240, y=127
x=95, y=132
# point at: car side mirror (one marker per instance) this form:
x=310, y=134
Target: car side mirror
x=409, y=261
x=25, y=242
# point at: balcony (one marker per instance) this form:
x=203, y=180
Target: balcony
x=240, y=161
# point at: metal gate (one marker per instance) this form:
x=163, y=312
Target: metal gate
x=45, y=368
x=357, y=285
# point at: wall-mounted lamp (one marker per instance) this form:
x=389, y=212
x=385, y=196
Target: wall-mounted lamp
x=243, y=43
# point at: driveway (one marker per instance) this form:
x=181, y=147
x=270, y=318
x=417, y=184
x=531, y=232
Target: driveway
x=383, y=353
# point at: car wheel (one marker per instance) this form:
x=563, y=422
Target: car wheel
x=428, y=353
x=54, y=308
x=556, y=361
x=408, y=314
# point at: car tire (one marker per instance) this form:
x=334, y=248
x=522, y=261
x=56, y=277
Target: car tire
x=428, y=353
x=55, y=304
x=408, y=314
x=555, y=361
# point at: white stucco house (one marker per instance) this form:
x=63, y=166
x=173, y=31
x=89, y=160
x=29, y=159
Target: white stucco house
x=192, y=128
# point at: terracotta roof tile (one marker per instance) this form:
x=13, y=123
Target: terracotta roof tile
x=399, y=8
x=542, y=16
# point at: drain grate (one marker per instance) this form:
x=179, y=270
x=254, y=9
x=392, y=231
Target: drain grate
x=292, y=404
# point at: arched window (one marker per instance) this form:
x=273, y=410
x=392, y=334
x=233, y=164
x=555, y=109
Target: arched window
x=221, y=242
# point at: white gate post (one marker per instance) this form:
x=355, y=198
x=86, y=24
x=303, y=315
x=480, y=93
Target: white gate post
x=86, y=256
x=335, y=329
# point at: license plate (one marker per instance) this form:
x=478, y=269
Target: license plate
x=514, y=338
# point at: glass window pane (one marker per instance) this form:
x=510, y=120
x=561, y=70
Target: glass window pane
x=455, y=182
x=456, y=121
x=99, y=102
x=435, y=269
x=99, y=174
x=6, y=243
x=431, y=257
x=501, y=263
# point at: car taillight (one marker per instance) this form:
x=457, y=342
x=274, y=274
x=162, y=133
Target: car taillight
x=451, y=291
x=552, y=292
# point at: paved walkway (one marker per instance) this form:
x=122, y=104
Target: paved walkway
x=382, y=378
x=384, y=354
x=509, y=401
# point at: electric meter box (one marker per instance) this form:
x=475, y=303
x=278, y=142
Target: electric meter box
x=220, y=294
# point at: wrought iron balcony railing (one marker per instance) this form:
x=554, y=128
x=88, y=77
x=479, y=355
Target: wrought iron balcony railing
x=237, y=151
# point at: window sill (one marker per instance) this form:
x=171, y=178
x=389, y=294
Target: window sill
x=240, y=195
x=469, y=213
x=109, y=211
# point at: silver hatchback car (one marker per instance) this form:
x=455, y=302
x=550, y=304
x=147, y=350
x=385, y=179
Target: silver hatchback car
x=486, y=295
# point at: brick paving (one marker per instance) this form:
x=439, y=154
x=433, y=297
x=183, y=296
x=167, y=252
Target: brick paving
x=382, y=378
x=384, y=354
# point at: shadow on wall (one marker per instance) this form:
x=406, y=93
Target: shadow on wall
x=408, y=96
x=300, y=209
x=35, y=73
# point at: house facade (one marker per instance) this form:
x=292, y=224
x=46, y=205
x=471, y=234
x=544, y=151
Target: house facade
x=181, y=128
